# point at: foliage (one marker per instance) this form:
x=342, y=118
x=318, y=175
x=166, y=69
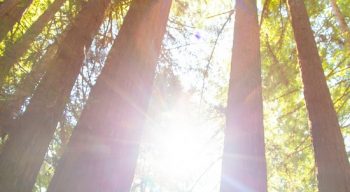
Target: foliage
x=193, y=70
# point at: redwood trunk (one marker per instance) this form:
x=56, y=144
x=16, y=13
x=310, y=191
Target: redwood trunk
x=6, y=6
x=330, y=154
x=25, y=150
x=10, y=107
x=10, y=13
x=14, y=52
x=341, y=20
x=103, y=150
x=244, y=164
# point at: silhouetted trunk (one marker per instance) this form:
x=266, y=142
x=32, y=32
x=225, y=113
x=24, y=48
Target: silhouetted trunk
x=13, y=52
x=244, y=166
x=10, y=13
x=330, y=154
x=9, y=108
x=25, y=150
x=103, y=150
x=341, y=20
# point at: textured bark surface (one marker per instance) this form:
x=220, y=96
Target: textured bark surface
x=330, y=154
x=24, y=152
x=103, y=150
x=13, y=52
x=244, y=166
x=10, y=13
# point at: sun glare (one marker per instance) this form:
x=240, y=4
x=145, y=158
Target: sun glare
x=179, y=145
x=181, y=152
x=183, y=139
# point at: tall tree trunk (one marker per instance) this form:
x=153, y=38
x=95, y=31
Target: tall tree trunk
x=244, y=164
x=24, y=152
x=6, y=6
x=103, y=150
x=330, y=154
x=14, y=52
x=11, y=13
x=10, y=107
x=341, y=20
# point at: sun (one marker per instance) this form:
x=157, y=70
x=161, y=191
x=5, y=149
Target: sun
x=179, y=146
x=180, y=151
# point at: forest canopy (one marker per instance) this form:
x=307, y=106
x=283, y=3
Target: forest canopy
x=174, y=95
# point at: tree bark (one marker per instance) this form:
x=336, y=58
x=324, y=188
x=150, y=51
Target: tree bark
x=7, y=6
x=10, y=13
x=24, y=152
x=13, y=52
x=341, y=20
x=10, y=107
x=103, y=150
x=244, y=164
x=330, y=154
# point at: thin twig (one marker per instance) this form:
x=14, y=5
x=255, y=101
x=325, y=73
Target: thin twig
x=205, y=74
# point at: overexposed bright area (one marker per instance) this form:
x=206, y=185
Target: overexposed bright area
x=183, y=139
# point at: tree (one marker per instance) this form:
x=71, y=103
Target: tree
x=13, y=52
x=9, y=108
x=244, y=166
x=24, y=152
x=330, y=154
x=6, y=7
x=103, y=150
x=10, y=13
x=341, y=20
